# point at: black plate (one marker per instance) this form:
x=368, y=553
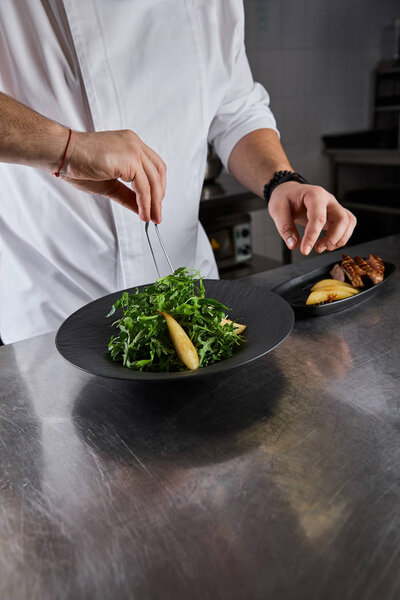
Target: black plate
x=296, y=291
x=83, y=338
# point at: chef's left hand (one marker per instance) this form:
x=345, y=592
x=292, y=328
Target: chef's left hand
x=313, y=207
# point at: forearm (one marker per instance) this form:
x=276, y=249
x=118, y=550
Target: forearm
x=256, y=157
x=28, y=138
x=254, y=160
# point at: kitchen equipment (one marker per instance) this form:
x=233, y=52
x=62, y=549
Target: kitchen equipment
x=296, y=291
x=373, y=138
x=230, y=239
x=146, y=228
x=391, y=42
x=377, y=211
x=213, y=166
x=83, y=338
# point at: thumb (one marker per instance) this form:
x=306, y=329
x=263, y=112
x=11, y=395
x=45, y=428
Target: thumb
x=282, y=217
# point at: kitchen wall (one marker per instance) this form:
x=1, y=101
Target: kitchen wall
x=315, y=58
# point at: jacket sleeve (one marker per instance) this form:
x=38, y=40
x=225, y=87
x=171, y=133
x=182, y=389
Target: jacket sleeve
x=244, y=108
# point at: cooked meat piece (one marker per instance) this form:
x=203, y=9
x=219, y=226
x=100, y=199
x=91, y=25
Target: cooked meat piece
x=378, y=265
x=337, y=273
x=350, y=268
x=356, y=267
x=376, y=277
x=372, y=274
x=359, y=269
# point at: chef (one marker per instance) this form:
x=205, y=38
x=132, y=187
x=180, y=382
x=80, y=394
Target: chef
x=106, y=108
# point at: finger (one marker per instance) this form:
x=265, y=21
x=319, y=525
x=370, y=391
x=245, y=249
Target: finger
x=156, y=190
x=282, y=217
x=350, y=228
x=123, y=195
x=337, y=223
x=112, y=188
x=142, y=189
x=316, y=220
x=160, y=165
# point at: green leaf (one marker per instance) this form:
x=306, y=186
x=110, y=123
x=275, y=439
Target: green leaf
x=142, y=339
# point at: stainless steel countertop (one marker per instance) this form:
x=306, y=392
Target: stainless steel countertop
x=280, y=480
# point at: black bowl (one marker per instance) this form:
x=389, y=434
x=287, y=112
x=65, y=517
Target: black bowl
x=83, y=338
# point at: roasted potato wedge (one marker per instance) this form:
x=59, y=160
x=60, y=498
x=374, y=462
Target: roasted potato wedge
x=182, y=343
x=238, y=327
x=329, y=295
x=338, y=288
x=331, y=283
x=353, y=291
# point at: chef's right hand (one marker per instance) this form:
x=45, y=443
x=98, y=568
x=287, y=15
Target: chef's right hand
x=96, y=161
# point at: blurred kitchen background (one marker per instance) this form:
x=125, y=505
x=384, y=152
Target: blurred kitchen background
x=332, y=69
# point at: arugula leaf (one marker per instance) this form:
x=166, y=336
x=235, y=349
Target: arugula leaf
x=143, y=340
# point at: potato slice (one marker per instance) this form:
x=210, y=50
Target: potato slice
x=338, y=288
x=329, y=295
x=183, y=345
x=351, y=289
x=331, y=283
x=238, y=327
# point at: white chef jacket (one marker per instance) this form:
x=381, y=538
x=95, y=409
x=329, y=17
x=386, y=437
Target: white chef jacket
x=173, y=71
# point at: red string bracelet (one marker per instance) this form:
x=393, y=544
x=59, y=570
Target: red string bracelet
x=57, y=173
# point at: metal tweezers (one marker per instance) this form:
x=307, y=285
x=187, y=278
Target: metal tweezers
x=146, y=228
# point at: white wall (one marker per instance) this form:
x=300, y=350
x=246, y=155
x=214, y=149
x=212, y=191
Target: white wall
x=315, y=58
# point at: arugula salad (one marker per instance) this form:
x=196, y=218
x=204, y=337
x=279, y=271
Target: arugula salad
x=171, y=326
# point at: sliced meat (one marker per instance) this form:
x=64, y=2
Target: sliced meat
x=359, y=269
x=376, y=262
x=378, y=265
x=337, y=273
x=350, y=268
x=372, y=274
x=355, y=266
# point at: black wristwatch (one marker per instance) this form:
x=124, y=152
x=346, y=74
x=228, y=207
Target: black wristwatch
x=281, y=177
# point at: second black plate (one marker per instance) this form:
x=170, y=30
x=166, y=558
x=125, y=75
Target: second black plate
x=296, y=290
